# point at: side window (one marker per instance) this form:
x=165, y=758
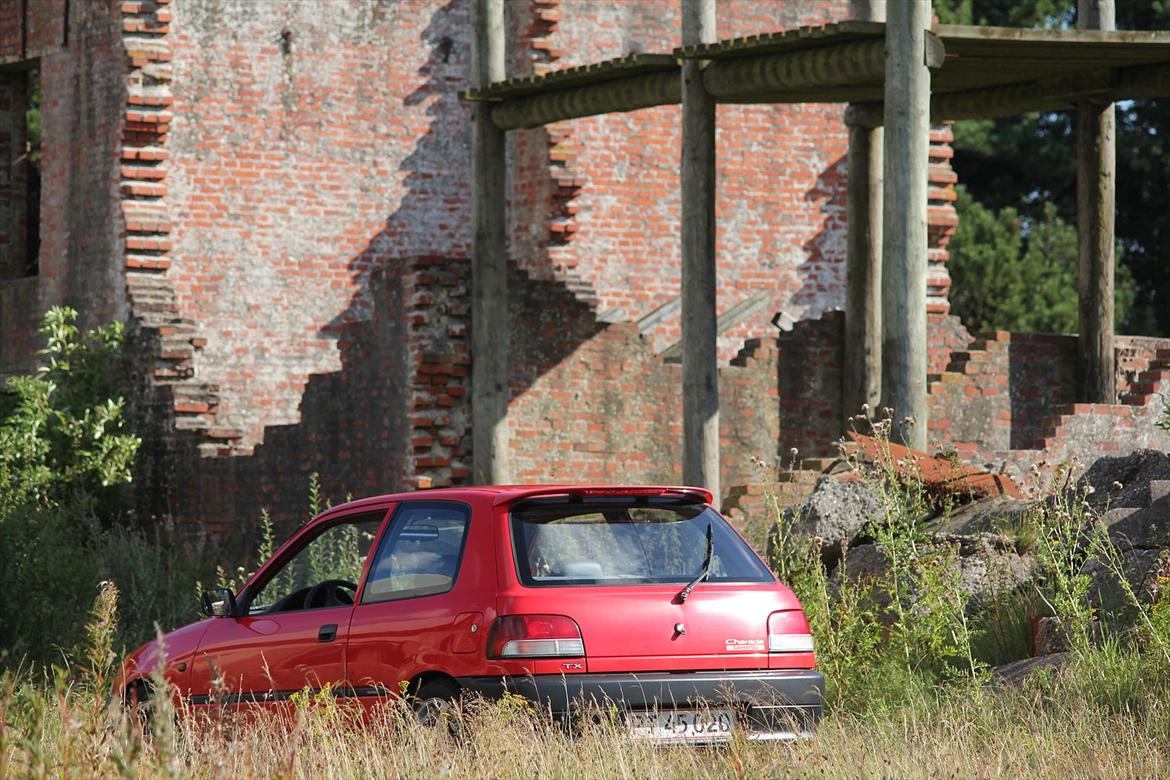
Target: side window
x=323, y=573
x=420, y=553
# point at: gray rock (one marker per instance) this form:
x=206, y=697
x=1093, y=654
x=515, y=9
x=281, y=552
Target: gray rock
x=865, y=561
x=1142, y=569
x=1134, y=472
x=997, y=515
x=836, y=512
x=1130, y=527
x=988, y=564
x=1018, y=671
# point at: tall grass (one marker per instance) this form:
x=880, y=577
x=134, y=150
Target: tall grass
x=906, y=652
x=1106, y=715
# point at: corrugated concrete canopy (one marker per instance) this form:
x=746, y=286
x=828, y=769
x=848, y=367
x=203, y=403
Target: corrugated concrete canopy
x=579, y=76
x=977, y=71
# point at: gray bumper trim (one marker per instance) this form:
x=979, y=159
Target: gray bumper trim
x=777, y=702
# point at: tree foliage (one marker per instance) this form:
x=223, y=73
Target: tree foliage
x=1017, y=273
x=1027, y=163
x=63, y=431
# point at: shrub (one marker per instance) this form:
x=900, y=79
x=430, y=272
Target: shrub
x=63, y=433
x=56, y=558
x=65, y=444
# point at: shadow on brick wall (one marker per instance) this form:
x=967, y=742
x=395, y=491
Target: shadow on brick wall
x=396, y=415
x=354, y=426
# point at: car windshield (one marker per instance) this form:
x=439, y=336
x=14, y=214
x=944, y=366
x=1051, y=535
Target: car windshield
x=625, y=540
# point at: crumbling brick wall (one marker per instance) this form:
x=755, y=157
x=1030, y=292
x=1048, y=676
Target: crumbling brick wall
x=276, y=195
x=780, y=187
x=78, y=50
x=295, y=173
x=313, y=144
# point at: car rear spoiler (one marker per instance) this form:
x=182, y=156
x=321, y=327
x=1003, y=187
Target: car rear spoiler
x=693, y=493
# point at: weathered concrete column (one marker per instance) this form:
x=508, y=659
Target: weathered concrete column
x=1096, y=177
x=489, y=282
x=699, y=366
x=907, y=144
x=862, y=375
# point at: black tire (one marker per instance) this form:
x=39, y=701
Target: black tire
x=434, y=703
x=137, y=699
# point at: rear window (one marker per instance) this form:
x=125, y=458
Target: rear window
x=626, y=540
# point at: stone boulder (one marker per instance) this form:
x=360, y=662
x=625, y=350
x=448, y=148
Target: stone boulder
x=988, y=564
x=1134, y=473
x=996, y=515
x=1145, y=527
x=836, y=512
x=1145, y=572
x=1017, y=672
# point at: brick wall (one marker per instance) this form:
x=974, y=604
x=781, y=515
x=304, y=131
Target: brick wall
x=593, y=402
x=1010, y=397
x=15, y=169
x=312, y=145
x=352, y=429
x=360, y=166
x=276, y=196
x=780, y=180
x=82, y=77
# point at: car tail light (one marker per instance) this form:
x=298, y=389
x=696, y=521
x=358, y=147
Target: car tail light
x=535, y=636
x=788, y=632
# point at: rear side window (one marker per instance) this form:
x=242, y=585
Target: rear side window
x=419, y=554
x=626, y=540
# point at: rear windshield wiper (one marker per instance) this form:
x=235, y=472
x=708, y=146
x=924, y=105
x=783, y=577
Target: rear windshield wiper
x=702, y=575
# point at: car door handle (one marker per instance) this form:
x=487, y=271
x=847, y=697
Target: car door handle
x=327, y=633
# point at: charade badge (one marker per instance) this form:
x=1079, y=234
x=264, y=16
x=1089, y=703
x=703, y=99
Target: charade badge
x=743, y=645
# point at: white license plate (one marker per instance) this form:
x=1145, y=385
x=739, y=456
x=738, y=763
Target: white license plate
x=682, y=725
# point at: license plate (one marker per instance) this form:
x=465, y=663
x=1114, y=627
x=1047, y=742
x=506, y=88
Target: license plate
x=682, y=725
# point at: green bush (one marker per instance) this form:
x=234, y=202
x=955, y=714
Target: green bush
x=63, y=432
x=1012, y=273
x=891, y=638
x=65, y=444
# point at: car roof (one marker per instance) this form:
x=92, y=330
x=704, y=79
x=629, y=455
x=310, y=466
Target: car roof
x=506, y=494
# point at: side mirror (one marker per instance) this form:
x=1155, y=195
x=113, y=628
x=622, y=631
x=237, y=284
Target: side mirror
x=219, y=602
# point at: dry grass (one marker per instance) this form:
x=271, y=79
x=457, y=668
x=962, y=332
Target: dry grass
x=897, y=713
x=1049, y=728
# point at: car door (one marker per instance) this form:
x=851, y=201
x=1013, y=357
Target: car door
x=290, y=629
x=429, y=596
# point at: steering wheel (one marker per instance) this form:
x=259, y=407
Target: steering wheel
x=330, y=593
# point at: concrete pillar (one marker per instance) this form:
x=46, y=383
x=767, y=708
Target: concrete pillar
x=904, y=259
x=699, y=363
x=862, y=375
x=489, y=281
x=1096, y=181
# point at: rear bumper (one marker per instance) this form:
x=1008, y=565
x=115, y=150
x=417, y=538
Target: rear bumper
x=771, y=704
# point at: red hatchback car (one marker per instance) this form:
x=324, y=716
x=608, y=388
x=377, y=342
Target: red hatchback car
x=640, y=597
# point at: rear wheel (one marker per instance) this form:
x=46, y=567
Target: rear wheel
x=434, y=703
x=137, y=700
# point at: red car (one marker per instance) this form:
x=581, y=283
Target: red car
x=643, y=597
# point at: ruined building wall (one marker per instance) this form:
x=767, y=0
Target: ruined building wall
x=316, y=186
x=598, y=401
x=780, y=188
x=296, y=174
x=275, y=197
x=81, y=63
